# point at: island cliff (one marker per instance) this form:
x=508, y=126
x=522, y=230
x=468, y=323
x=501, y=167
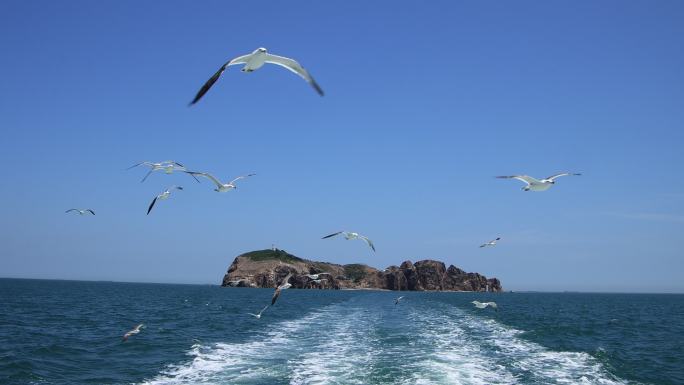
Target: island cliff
x=264, y=268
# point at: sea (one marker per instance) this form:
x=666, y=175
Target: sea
x=70, y=332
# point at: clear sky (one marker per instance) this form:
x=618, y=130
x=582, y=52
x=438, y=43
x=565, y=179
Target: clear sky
x=425, y=103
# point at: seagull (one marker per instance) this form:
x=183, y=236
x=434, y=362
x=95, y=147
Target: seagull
x=315, y=276
x=169, y=166
x=163, y=196
x=283, y=285
x=81, y=212
x=490, y=243
x=482, y=305
x=349, y=235
x=258, y=316
x=253, y=61
x=396, y=300
x=220, y=187
x=135, y=330
x=533, y=184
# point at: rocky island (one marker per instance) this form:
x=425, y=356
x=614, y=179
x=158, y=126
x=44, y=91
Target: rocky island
x=265, y=268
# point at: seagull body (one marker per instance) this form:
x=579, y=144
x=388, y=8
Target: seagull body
x=168, y=166
x=490, y=243
x=533, y=184
x=220, y=186
x=258, y=315
x=349, y=235
x=252, y=62
x=135, y=330
x=81, y=211
x=396, y=300
x=482, y=305
x=315, y=276
x=163, y=196
x=283, y=285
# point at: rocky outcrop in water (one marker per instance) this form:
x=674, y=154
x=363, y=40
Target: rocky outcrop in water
x=264, y=268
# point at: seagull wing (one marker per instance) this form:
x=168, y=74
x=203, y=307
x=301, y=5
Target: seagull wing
x=522, y=178
x=276, y=294
x=90, y=211
x=553, y=177
x=263, y=310
x=368, y=241
x=241, y=177
x=151, y=205
x=217, y=75
x=332, y=235
x=137, y=164
x=295, y=67
x=146, y=175
x=207, y=175
x=70, y=210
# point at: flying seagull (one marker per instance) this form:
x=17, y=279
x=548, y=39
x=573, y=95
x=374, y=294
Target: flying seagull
x=163, y=196
x=168, y=166
x=396, y=300
x=81, y=212
x=532, y=184
x=315, y=276
x=283, y=285
x=490, y=243
x=349, y=235
x=258, y=316
x=482, y=305
x=135, y=330
x=255, y=60
x=220, y=187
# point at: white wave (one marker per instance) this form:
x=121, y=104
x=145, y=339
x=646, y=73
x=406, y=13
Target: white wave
x=348, y=343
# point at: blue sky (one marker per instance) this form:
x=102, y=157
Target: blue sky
x=425, y=103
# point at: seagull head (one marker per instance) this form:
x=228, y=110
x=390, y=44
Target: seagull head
x=260, y=50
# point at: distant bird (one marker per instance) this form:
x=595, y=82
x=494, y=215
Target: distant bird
x=533, y=184
x=258, y=316
x=490, y=243
x=163, y=196
x=349, y=235
x=220, y=187
x=283, y=285
x=168, y=166
x=482, y=305
x=315, y=276
x=253, y=61
x=396, y=300
x=81, y=211
x=135, y=330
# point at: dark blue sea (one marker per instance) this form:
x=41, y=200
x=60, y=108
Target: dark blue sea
x=69, y=332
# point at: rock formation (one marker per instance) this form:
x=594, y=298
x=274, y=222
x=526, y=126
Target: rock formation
x=263, y=268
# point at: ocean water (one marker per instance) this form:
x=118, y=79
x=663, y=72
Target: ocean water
x=69, y=332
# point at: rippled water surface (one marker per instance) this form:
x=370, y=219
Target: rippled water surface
x=69, y=332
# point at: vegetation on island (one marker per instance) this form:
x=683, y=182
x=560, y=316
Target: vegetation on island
x=269, y=254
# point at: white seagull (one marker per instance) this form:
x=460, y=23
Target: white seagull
x=482, y=305
x=168, y=166
x=533, y=184
x=163, y=196
x=315, y=276
x=81, y=212
x=283, y=285
x=396, y=300
x=490, y=243
x=255, y=60
x=135, y=330
x=258, y=316
x=220, y=186
x=349, y=235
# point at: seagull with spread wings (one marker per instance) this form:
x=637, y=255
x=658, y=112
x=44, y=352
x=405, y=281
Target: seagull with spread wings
x=483, y=305
x=168, y=166
x=490, y=243
x=163, y=196
x=81, y=211
x=350, y=235
x=396, y=300
x=533, y=184
x=258, y=315
x=220, y=186
x=252, y=62
x=285, y=284
x=135, y=330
